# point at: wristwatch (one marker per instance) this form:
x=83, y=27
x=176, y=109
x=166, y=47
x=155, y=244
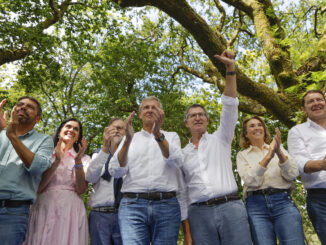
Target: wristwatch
x=160, y=138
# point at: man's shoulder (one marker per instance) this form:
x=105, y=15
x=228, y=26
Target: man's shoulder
x=299, y=127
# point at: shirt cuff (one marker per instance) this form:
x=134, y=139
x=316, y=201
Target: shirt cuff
x=38, y=165
x=227, y=100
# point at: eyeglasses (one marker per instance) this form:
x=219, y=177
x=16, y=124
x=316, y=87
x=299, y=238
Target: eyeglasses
x=119, y=128
x=194, y=115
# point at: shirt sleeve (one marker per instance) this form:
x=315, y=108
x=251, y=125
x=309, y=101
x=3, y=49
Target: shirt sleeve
x=297, y=149
x=114, y=167
x=251, y=173
x=175, y=153
x=95, y=167
x=42, y=157
x=229, y=117
x=289, y=169
x=182, y=195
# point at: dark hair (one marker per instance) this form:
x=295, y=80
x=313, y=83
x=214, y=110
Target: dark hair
x=312, y=92
x=244, y=141
x=194, y=106
x=39, y=108
x=57, y=132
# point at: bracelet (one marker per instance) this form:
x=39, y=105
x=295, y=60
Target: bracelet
x=78, y=165
x=230, y=73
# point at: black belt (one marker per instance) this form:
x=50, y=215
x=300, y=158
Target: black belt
x=267, y=191
x=14, y=203
x=150, y=195
x=316, y=191
x=218, y=200
x=108, y=209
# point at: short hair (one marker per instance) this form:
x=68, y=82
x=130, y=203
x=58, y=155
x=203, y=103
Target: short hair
x=313, y=91
x=39, y=108
x=195, y=106
x=150, y=98
x=115, y=119
x=57, y=133
x=244, y=141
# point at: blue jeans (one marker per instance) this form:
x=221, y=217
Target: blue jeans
x=104, y=228
x=144, y=221
x=316, y=207
x=226, y=223
x=13, y=225
x=272, y=216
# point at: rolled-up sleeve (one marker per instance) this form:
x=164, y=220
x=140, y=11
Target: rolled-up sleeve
x=229, y=117
x=297, y=149
x=252, y=174
x=42, y=157
x=114, y=167
x=175, y=153
x=289, y=169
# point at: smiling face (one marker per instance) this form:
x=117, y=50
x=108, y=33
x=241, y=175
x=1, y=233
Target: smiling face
x=70, y=132
x=255, y=131
x=27, y=111
x=196, y=120
x=314, y=106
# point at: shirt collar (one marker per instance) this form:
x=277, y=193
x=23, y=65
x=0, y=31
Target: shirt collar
x=252, y=148
x=28, y=133
x=203, y=138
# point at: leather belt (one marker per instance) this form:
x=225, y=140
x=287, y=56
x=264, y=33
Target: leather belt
x=14, y=203
x=150, y=195
x=267, y=191
x=316, y=191
x=108, y=209
x=218, y=200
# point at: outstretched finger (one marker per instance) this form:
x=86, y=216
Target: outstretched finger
x=6, y=115
x=2, y=104
x=129, y=119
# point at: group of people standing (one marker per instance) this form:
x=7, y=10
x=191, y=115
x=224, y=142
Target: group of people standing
x=145, y=185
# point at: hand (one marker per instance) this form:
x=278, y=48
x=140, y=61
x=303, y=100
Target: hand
x=227, y=58
x=107, y=137
x=13, y=124
x=158, y=114
x=3, y=117
x=59, y=154
x=278, y=141
x=81, y=152
x=129, y=128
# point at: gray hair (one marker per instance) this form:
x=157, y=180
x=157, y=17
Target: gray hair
x=195, y=106
x=150, y=98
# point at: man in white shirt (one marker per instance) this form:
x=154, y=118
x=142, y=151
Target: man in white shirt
x=216, y=214
x=149, y=161
x=307, y=144
x=104, y=201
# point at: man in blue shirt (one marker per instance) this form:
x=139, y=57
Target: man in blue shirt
x=24, y=156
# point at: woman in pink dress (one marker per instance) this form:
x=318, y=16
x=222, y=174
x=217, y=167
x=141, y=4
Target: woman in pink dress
x=58, y=217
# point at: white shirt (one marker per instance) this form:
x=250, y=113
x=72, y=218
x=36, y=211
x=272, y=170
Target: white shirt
x=208, y=170
x=148, y=170
x=103, y=192
x=307, y=141
x=275, y=175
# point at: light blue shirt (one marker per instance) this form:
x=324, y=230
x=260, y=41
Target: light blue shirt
x=18, y=182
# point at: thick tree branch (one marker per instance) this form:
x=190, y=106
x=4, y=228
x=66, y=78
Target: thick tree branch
x=7, y=56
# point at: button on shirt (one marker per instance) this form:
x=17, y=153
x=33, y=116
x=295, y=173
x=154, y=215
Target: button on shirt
x=307, y=141
x=18, y=182
x=148, y=170
x=103, y=194
x=275, y=175
x=208, y=169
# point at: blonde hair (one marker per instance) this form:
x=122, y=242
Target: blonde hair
x=244, y=141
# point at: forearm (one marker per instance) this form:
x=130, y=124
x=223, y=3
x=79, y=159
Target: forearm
x=81, y=184
x=231, y=83
x=282, y=157
x=314, y=166
x=48, y=175
x=265, y=161
x=22, y=151
x=186, y=232
x=164, y=146
x=123, y=153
